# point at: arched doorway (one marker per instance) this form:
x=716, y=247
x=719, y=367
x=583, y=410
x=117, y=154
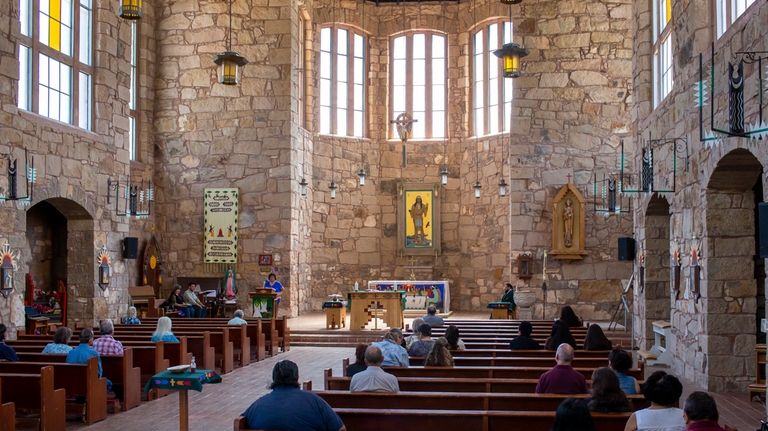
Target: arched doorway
x=60, y=236
x=653, y=300
x=731, y=280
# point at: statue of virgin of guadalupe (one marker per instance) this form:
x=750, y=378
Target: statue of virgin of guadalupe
x=230, y=284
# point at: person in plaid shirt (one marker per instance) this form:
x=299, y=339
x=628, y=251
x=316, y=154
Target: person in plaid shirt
x=106, y=345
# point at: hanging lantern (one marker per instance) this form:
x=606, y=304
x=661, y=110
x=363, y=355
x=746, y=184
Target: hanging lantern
x=230, y=63
x=303, y=186
x=477, y=188
x=444, y=175
x=129, y=9
x=333, y=187
x=502, y=187
x=511, y=53
x=7, y=268
x=361, y=176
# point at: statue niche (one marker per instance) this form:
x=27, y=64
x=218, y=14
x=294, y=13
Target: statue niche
x=568, y=211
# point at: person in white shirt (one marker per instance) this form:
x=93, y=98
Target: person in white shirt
x=237, y=319
x=373, y=378
x=663, y=391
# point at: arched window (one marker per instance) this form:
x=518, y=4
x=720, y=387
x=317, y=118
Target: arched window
x=55, y=47
x=418, y=82
x=133, y=100
x=491, y=92
x=342, y=82
x=663, y=78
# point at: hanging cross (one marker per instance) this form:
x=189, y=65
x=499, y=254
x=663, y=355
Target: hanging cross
x=404, y=125
x=569, y=178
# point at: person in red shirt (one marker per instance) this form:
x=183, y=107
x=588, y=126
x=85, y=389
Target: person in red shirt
x=562, y=379
x=700, y=413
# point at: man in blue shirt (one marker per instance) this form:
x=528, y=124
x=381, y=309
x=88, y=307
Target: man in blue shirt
x=6, y=352
x=395, y=354
x=83, y=352
x=288, y=408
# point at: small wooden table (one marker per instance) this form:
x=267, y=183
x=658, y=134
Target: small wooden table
x=182, y=382
x=367, y=305
x=335, y=315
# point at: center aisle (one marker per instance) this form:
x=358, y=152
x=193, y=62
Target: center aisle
x=217, y=406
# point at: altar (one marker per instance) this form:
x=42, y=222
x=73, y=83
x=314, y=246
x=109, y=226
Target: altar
x=418, y=294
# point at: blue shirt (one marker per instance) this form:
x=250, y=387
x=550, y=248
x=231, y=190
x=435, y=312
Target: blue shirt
x=421, y=348
x=7, y=353
x=57, y=349
x=626, y=383
x=168, y=338
x=291, y=409
x=236, y=321
x=395, y=355
x=132, y=321
x=276, y=285
x=433, y=321
x=81, y=354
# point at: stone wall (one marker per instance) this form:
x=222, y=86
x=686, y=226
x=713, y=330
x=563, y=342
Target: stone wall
x=569, y=106
x=713, y=202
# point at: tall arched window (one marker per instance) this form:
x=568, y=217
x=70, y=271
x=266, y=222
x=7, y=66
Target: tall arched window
x=418, y=77
x=342, y=82
x=663, y=79
x=55, y=59
x=491, y=93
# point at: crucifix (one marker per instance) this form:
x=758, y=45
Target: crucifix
x=404, y=125
x=413, y=263
x=569, y=178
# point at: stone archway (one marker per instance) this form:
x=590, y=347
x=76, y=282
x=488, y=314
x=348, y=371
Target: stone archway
x=729, y=287
x=60, y=237
x=653, y=301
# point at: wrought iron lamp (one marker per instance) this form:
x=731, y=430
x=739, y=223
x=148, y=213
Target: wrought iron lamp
x=137, y=200
x=502, y=187
x=361, y=174
x=695, y=268
x=333, y=187
x=404, y=125
x=444, y=175
x=30, y=177
x=7, y=269
x=230, y=62
x=130, y=9
x=511, y=53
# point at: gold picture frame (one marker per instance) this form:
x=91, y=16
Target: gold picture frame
x=418, y=219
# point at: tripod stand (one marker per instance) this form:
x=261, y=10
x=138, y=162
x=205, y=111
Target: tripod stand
x=622, y=306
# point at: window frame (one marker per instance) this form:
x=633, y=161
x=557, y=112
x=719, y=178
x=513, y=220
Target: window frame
x=726, y=16
x=489, y=59
x=428, y=81
x=660, y=38
x=350, y=84
x=37, y=48
x=135, y=110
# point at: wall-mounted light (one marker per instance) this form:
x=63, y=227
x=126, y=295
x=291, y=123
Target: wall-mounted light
x=676, y=267
x=444, y=175
x=7, y=269
x=695, y=267
x=303, y=186
x=502, y=187
x=361, y=174
x=477, y=188
x=333, y=187
x=105, y=270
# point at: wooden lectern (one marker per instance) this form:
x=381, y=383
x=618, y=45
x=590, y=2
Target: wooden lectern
x=264, y=302
x=366, y=305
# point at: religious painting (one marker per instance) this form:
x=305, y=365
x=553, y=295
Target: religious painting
x=220, y=210
x=418, y=219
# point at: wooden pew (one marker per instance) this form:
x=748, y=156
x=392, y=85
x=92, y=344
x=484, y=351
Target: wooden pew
x=455, y=420
x=445, y=384
x=36, y=391
x=75, y=379
x=119, y=369
x=7, y=413
x=488, y=372
x=461, y=361
x=456, y=400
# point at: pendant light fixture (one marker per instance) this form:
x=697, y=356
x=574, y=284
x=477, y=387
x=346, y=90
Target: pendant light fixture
x=361, y=174
x=230, y=62
x=477, y=185
x=129, y=9
x=303, y=182
x=333, y=187
x=511, y=53
x=444, y=167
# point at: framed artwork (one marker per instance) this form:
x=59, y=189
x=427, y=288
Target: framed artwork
x=265, y=260
x=418, y=225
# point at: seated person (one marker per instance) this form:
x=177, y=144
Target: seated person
x=573, y=415
x=607, y=396
x=106, y=345
x=620, y=361
x=131, y=319
x=524, y=341
x=175, y=302
x=373, y=378
x=395, y=355
x=663, y=391
x=409, y=340
x=359, y=364
x=6, y=352
x=560, y=334
x=288, y=408
x=596, y=339
x=60, y=345
x=163, y=331
x=562, y=379
x=83, y=352
x=237, y=319
x=452, y=336
x=195, y=306
x=432, y=319
x=701, y=414
x=569, y=316
x=439, y=356
x=272, y=283
x=422, y=347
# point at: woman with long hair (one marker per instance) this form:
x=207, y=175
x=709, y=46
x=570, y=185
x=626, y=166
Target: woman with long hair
x=439, y=356
x=607, y=396
x=359, y=364
x=163, y=331
x=452, y=335
x=560, y=334
x=596, y=339
x=569, y=316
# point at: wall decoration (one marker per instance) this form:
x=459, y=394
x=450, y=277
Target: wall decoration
x=151, y=268
x=105, y=268
x=8, y=266
x=220, y=212
x=418, y=219
x=30, y=176
x=568, y=235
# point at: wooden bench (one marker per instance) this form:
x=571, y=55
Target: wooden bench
x=35, y=391
x=495, y=353
x=76, y=379
x=461, y=361
x=7, y=413
x=489, y=372
x=758, y=388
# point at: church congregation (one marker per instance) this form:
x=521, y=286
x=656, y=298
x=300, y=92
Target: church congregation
x=367, y=215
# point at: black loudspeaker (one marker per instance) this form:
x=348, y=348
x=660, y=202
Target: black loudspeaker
x=130, y=248
x=762, y=227
x=626, y=248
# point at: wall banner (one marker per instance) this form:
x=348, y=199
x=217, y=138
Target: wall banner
x=220, y=211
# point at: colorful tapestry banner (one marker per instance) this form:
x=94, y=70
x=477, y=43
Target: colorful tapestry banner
x=220, y=209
